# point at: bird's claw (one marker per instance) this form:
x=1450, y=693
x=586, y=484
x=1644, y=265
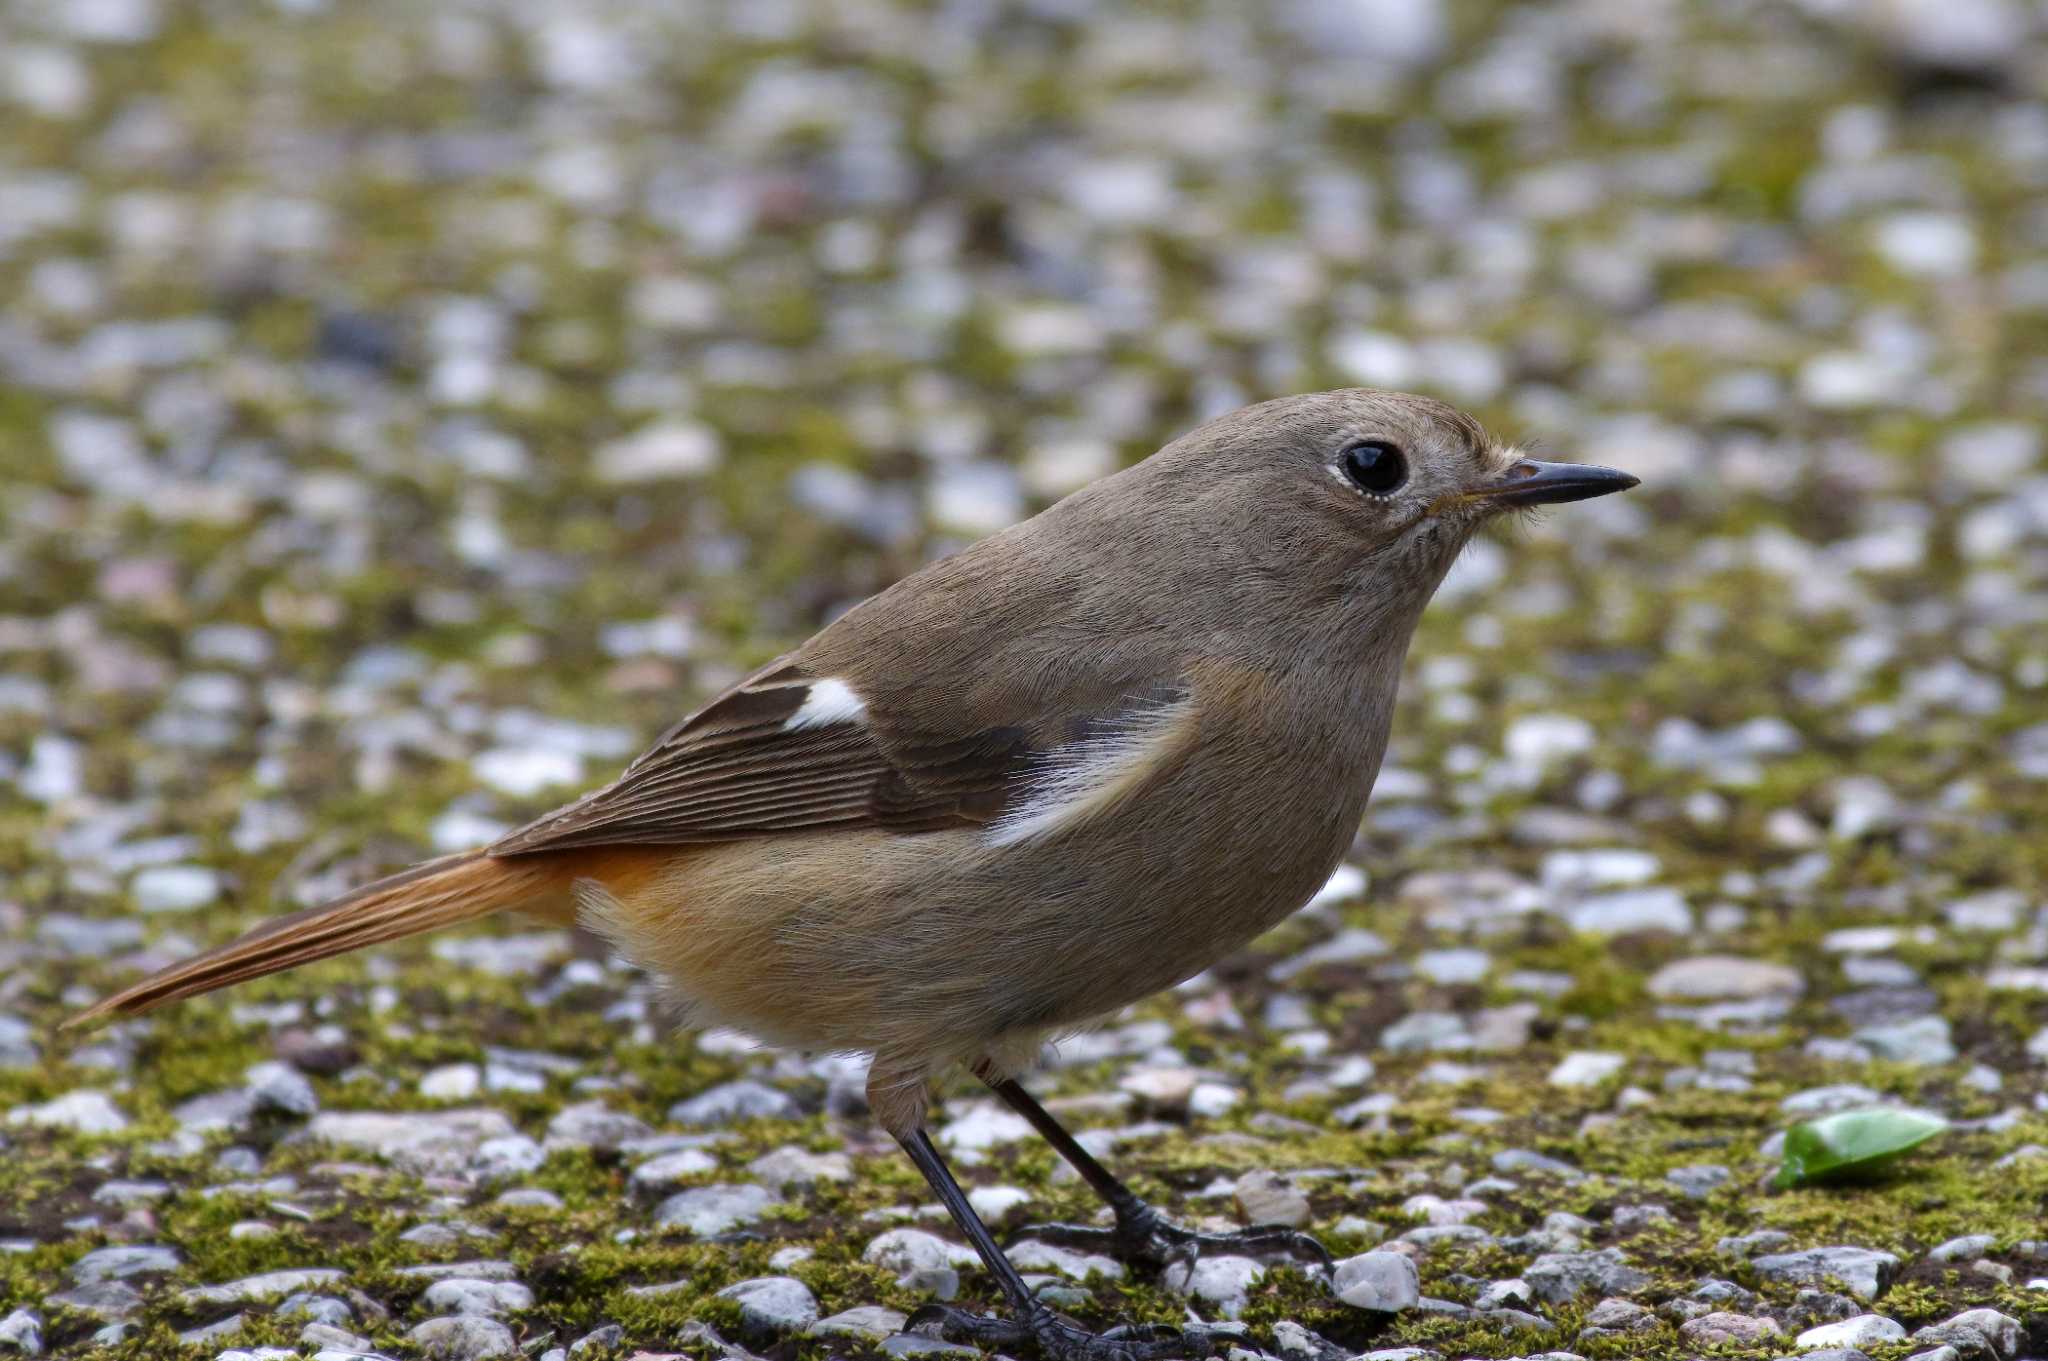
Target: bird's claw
x=1144, y=1236
x=1055, y=1338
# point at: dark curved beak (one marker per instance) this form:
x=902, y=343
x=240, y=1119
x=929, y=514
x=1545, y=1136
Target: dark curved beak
x=1532, y=482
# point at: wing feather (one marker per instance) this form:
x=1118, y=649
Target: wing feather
x=746, y=765
x=786, y=750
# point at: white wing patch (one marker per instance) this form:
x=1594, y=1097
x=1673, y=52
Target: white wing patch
x=829, y=701
x=1087, y=777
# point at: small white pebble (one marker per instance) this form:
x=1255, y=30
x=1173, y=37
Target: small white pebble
x=452, y=1082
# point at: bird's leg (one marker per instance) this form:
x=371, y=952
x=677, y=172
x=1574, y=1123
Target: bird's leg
x=1142, y=1234
x=1032, y=1325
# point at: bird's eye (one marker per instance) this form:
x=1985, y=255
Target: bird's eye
x=1375, y=465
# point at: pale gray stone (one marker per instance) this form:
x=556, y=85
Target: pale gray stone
x=330, y=1338
x=734, y=1101
x=1920, y=1042
x=84, y=1112
x=1722, y=977
x=465, y=1295
x=791, y=1168
x=594, y=1125
x=22, y=1331
x=1982, y=1333
x=1627, y=911
x=921, y=1261
x=771, y=1306
x=1728, y=1329
x=870, y=1321
x=466, y=1337
x=1034, y=1255
x=123, y=1261
x=1514, y=1292
x=263, y=1287
x=1586, y=1069
x=132, y=1192
x=1699, y=1180
x=233, y=1110
x=710, y=1210
x=660, y=1173
x=1384, y=1282
x=439, y=1143
x=114, y=1301
x=1825, y=1100
x=1224, y=1281
x=280, y=1087
x=1864, y=1330
x=1265, y=1197
x=213, y=1332
x=323, y=1309
x=982, y=1126
x=1560, y=1276
x=1619, y=1316
x=484, y=1270
x=1865, y=1272
x=1970, y=1245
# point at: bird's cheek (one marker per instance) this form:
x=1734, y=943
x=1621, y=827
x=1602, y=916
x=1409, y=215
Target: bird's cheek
x=1453, y=504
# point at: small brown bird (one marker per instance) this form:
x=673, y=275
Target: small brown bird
x=1063, y=769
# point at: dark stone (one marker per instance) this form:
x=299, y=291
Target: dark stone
x=1872, y=1006
x=358, y=338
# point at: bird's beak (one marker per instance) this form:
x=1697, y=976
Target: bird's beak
x=1531, y=482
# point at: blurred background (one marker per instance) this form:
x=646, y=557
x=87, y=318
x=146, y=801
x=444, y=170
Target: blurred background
x=406, y=410
x=425, y=403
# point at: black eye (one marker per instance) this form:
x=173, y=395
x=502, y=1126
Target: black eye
x=1375, y=465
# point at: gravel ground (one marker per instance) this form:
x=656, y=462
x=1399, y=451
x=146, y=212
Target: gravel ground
x=408, y=409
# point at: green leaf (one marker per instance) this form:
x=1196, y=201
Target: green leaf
x=1853, y=1144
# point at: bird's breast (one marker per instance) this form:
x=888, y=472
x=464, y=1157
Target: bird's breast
x=1149, y=860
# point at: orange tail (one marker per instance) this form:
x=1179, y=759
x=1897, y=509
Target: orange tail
x=455, y=888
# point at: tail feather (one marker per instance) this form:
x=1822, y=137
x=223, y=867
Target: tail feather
x=429, y=896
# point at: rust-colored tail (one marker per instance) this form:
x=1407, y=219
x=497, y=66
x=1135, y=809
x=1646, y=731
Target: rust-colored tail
x=455, y=888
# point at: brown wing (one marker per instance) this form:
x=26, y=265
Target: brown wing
x=746, y=765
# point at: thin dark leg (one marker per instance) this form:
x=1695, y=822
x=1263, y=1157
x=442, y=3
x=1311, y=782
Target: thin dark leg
x=1034, y=1324
x=1121, y=1198
x=1142, y=1233
x=919, y=1147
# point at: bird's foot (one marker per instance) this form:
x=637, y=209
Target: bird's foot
x=1055, y=1338
x=1148, y=1238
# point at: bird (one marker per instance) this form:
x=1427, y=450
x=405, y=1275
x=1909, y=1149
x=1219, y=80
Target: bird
x=1067, y=767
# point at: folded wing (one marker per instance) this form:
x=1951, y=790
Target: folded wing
x=785, y=751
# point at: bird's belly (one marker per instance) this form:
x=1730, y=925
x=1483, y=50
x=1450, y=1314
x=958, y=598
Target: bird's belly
x=937, y=946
